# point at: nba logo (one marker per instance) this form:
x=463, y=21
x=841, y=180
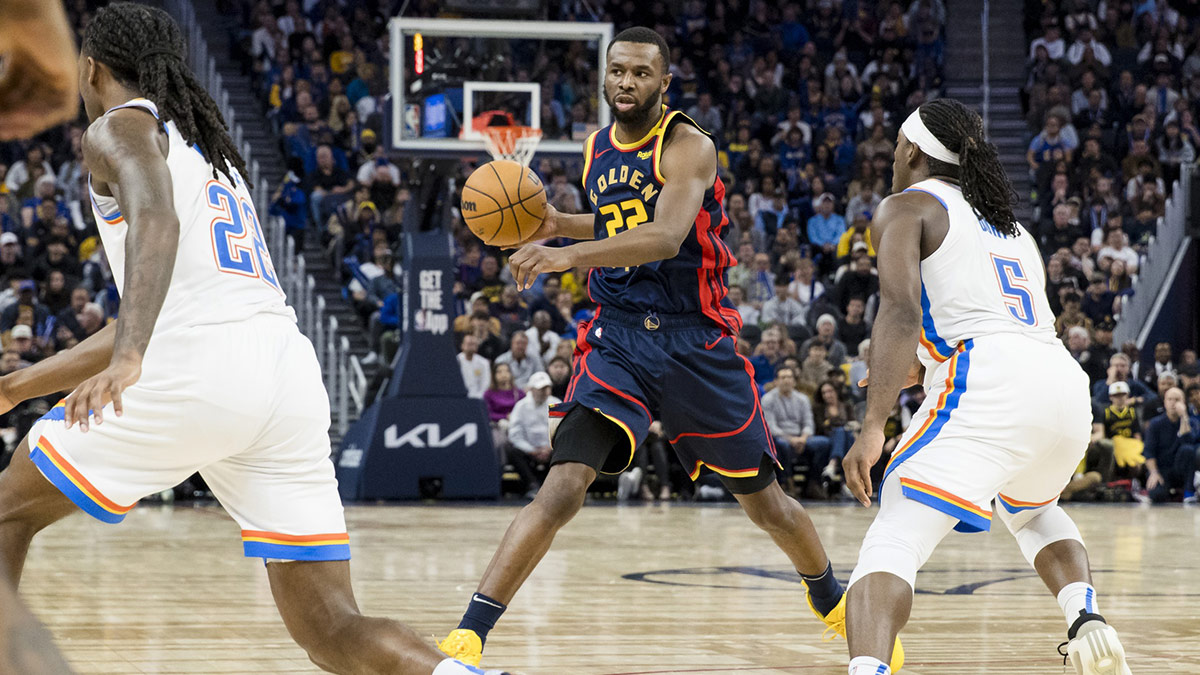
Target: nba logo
x=599, y=330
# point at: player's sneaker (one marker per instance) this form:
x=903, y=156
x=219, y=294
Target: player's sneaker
x=463, y=644
x=835, y=622
x=1094, y=648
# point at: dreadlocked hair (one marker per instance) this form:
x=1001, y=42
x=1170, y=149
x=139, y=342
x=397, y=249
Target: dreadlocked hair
x=984, y=183
x=144, y=48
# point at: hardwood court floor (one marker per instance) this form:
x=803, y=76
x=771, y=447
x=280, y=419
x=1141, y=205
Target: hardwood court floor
x=625, y=590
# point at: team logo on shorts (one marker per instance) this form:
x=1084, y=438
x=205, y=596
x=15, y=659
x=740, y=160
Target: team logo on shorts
x=652, y=323
x=599, y=330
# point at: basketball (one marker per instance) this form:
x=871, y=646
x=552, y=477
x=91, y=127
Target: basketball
x=503, y=203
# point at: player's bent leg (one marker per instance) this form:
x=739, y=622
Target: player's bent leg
x=28, y=503
x=879, y=600
x=318, y=607
x=1051, y=543
x=781, y=517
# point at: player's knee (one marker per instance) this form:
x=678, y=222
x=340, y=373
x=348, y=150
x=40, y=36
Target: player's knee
x=771, y=510
x=563, y=493
x=1038, y=530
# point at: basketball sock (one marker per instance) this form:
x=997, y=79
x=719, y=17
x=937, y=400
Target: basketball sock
x=866, y=665
x=481, y=615
x=824, y=590
x=1077, y=599
x=452, y=667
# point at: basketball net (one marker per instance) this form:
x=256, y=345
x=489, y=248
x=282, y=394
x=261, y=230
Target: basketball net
x=513, y=142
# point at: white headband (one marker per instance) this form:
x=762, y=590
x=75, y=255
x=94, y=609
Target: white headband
x=917, y=133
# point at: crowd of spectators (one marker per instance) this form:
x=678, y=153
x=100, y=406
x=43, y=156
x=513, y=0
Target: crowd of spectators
x=56, y=288
x=803, y=101
x=1111, y=96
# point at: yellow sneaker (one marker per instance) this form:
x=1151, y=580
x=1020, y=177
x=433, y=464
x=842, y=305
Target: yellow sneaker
x=835, y=622
x=463, y=644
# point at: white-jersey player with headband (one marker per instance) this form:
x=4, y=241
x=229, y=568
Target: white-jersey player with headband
x=1007, y=414
x=204, y=369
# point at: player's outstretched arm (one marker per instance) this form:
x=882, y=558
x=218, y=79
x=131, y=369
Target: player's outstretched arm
x=125, y=150
x=689, y=166
x=37, y=71
x=555, y=223
x=897, y=231
x=61, y=372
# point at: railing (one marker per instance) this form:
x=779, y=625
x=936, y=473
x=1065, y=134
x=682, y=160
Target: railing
x=1162, y=258
x=344, y=377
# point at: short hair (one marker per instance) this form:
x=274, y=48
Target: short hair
x=1167, y=375
x=1077, y=330
x=826, y=318
x=645, y=36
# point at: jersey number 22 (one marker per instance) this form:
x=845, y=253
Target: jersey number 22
x=238, y=243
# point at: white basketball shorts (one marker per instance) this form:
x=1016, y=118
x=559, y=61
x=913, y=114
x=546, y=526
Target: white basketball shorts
x=1007, y=420
x=243, y=403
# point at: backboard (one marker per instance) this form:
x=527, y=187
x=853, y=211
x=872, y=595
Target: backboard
x=450, y=75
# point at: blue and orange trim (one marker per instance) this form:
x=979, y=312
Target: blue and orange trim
x=971, y=517
x=930, y=340
x=258, y=544
x=1016, y=506
x=73, y=485
x=948, y=401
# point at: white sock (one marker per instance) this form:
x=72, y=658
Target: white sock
x=453, y=667
x=866, y=665
x=1075, y=598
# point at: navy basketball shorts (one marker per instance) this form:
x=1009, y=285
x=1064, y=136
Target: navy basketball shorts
x=681, y=370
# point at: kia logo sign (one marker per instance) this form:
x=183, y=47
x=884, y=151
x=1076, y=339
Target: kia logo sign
x=429, y=435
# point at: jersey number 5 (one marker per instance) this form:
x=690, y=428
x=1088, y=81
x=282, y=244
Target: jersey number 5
x=238, y=243
x=1017, y=296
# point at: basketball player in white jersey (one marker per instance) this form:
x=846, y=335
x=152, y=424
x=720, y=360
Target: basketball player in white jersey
x=1007, y=413
x=204, y=370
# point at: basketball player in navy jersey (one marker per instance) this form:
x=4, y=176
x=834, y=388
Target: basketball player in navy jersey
x=662, y=343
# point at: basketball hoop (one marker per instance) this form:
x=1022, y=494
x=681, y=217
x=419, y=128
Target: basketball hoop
x=513, y=142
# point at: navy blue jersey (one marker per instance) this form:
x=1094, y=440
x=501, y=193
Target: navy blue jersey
x=623, y=183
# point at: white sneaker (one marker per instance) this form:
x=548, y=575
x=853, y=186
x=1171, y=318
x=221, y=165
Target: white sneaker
x=628, y=483
x=709, y=493
x=1096, y=650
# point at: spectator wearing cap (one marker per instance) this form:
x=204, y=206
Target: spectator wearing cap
x=1098, y=302
x=11, y=260
x=26, y=302
x=21, y=340
x=825, y=227
x=1118, y=419
x=476, y=371
x=529, y=433
x=783, y=308
x=835, y=350
x=1170, y=450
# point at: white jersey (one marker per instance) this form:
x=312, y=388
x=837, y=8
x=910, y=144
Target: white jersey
x=223, y=272
x=978, y=282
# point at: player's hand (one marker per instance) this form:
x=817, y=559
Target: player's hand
x=1154, y=480
x=549, y=227
x=38, y=88
x=857, y=463
x=98, y=390
x=532, y=260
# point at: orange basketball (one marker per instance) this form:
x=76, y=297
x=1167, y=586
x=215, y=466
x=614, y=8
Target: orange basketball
x=503, y=203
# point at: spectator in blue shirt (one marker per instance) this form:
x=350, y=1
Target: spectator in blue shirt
x=1170, y=451
x=1049, y=145
x=289, y=203
x=792, y=151
x=792, y=34
x=826, y=227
